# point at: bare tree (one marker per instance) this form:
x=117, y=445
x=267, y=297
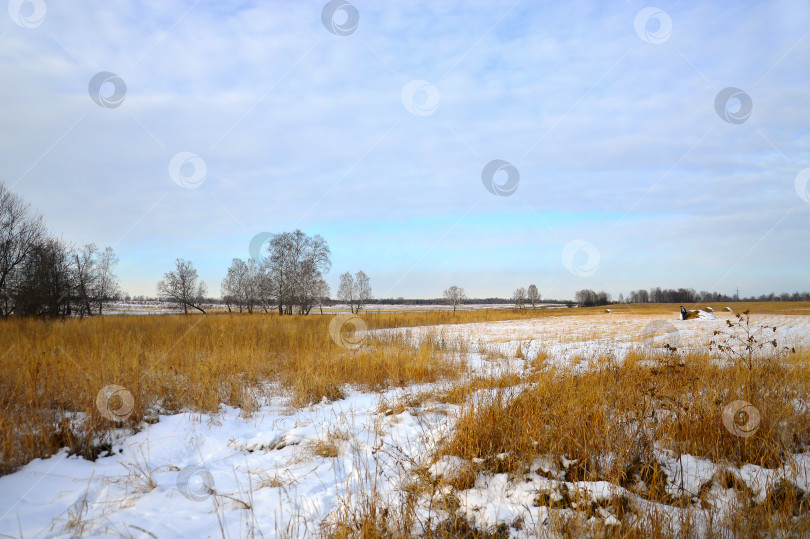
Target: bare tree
x=182, y=286
x=95, y=281
x=251, y=284
x=306, y=289
x=86, y=278
x=354, y=290
x=589, y=298
x=519, y=297
x=265, y=290
x=362, y=287
x=345, y=291
x=322, y=293
x=585, y=297
x=533, y=295
x=21, y=231
x=45, y=284
x=455, y=296
x=295, y=264
x=231, y=285
x=241, y=284
x=107, y=287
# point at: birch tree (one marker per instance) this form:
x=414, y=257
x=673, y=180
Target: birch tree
x=533, y=295
x=182, y=286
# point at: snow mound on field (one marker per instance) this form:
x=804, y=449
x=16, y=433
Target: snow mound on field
x=449, y=466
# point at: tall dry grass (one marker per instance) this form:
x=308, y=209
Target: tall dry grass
x=625, y=408
x=626, y=423
x=51, y=372
x=610, y=424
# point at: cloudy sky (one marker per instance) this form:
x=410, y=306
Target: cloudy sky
x=619, y=160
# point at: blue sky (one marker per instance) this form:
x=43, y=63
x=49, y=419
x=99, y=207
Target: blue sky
x=607, y=112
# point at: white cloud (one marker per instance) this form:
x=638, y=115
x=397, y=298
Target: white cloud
x=300, y=127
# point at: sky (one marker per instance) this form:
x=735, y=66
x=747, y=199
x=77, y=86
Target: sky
x=489, y=145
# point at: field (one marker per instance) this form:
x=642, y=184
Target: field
x=480, y=423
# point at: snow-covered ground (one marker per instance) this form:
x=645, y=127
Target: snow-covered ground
x=586, y=337
x=265, y=471
x=284, y=471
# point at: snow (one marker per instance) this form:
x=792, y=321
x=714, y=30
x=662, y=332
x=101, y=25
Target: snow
x=573, y=342
x=687, y=474
x=447, y=466
x=274, y=447
x=194, y=474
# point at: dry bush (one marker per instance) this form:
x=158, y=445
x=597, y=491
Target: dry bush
x=370, y=518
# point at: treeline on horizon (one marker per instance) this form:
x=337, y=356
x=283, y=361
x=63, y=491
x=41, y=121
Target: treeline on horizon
x=589, y=298
x=41, y=275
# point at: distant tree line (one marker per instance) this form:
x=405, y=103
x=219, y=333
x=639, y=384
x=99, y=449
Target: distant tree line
x=671, y=295
x=796, y=296
x=41, y=275
x=689, y=295
x=443, y=301
x=590, y=298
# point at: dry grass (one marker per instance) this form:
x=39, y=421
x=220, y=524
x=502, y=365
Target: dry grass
x=623, y=409
x=628, y=410
x=370, y=518
x=51, y=370
x=434, y=318
x=329, y=445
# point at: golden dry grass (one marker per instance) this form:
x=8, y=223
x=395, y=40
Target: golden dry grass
x=605, y=411
x=624, y=410
x=628, y=409
x=51, y=369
